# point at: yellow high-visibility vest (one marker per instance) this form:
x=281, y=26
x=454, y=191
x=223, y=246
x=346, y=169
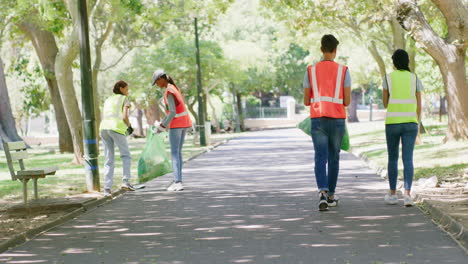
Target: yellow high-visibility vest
x=402, y=102
x=113, y=114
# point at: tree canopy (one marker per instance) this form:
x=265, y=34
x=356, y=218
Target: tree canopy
x=261, y=47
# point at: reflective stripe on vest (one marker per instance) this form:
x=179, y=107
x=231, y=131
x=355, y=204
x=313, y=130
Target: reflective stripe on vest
x=113, y=114
x=326, y=80
x=316, y=98
x=181, y=114
x=401, y=105
x=401, y=114
x=182, y=118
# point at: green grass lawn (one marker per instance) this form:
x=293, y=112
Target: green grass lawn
x=70, y=178
x=431, y=158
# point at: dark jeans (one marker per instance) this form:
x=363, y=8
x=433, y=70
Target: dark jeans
x=327, y=134
x=407, y=132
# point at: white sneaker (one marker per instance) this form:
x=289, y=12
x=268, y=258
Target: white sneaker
x=175, y=186
x=391, y=199
x=170, y=185
x=107, y=193
x=332, y=202
x=127, y=186
x=407, y=201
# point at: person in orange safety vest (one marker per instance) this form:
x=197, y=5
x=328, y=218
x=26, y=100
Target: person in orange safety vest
x=327, y=89
x=177, y=120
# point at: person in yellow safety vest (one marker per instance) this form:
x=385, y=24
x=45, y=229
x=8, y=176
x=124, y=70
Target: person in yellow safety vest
x=114, y=128
x=402, y=98
x=177, y=120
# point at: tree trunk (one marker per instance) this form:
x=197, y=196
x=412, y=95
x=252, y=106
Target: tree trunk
x=196, y=133
x=215, y=122
x=63, y=70
x=378, y=59
x=96, y=68
x=371, y=47
x=8, y=130
x=442, y=107
x=399, y=41
x=412, y=55
x=97, y=108
x=449, y=54
x=352, y=109
x=412, y=65
x=140, y=131
x=46, y=49
x=67, y=92
x=152, y=113
x=240, y=111
x=457, y=99
x=191, y=108
x=205, y=106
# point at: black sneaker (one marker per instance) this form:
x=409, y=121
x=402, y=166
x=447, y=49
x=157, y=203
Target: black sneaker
x=332, y=202
x=323, y=204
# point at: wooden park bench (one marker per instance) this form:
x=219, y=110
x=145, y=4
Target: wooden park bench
x=16, y=152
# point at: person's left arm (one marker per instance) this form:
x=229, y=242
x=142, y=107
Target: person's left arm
x=172, y=111
x=347, y=88
x=419, y=88
x=418, y=108
x=385, y=92
x=126, y=113
x=306, y=86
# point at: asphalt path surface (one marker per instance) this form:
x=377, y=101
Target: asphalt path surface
x=252, y=200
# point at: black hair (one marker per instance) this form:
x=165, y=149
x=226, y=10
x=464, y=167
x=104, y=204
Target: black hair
x=118, y=85
x=401, y=60
x=169, y=80
x=329, y=43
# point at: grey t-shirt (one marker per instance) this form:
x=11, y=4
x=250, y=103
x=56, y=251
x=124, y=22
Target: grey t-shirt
x=419, y=86
x=347, y=79
x=172, y=111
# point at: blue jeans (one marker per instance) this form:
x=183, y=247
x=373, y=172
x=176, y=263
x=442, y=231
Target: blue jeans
x=407, y=132
x=327, y=135
x=176, y=138
x=109, y=139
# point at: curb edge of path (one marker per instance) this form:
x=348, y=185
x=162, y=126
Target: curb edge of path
x=439, y=217
x=85, y=207
x=31, y=233
x=209, y=148
x=445, y=222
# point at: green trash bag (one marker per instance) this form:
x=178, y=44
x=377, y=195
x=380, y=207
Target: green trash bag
x=154, y=161
x=304, y=125
x=345, y=143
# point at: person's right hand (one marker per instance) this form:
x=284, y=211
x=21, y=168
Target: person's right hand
x=158, y=129
x=129, y=130
x=155, y=130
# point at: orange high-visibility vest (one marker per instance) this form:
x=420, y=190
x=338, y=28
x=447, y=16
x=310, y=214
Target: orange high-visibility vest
x=182, y=118
x=326, y=80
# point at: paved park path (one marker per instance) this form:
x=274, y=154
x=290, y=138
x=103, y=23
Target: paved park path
x=252, y=200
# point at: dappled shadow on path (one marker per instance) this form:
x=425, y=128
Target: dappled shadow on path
x=253, y=200
x=281, y=226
